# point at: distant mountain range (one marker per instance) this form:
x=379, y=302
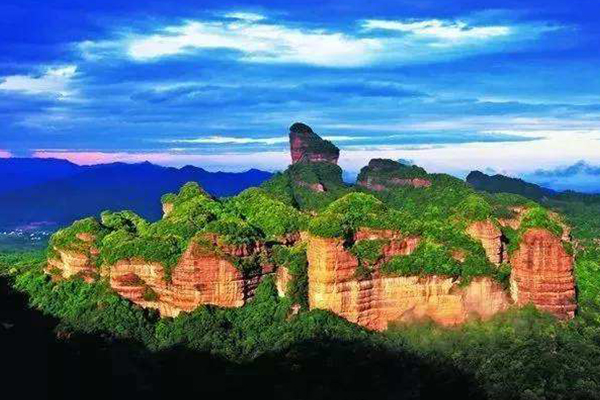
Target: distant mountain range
x=34, y=190
x=505, y=184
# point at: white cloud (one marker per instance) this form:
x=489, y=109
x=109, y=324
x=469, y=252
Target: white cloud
x=55, y=80
x=266, y=141
x=258, y=42
x=231, y=140
x=246, y=16
x=257, y=39
x=444, y=31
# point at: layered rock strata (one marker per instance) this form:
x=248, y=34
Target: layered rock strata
x=542, y=274
x=309, y=147
x=202, y=276
x=376, y=300
x=491, y=239
x=68, y=263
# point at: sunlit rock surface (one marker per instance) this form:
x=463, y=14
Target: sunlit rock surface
x=542, y=274
x=376, y=300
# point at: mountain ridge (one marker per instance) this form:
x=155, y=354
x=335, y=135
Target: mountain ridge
x=85, y=190
x=403, y=245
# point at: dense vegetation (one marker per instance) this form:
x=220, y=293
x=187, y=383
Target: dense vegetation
x=521, y=354
x=293, y=186
x=246, y=219
x=580, y=209
x=290, y=202
x=505, y=184
x=443, y=232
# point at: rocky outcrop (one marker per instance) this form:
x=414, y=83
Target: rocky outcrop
x=491, y=239
x=282, y=279
x=167, y=207
x=397, y=244
x=542, y=274
x=67, y=263
x=315, y=187
x=382, y=174
x=372, y=183
x=205, y=274
x=309, y=147
x=515, y=221
x=202, y=276
x=376, y=300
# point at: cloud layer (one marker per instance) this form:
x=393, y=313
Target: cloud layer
x=512, y=86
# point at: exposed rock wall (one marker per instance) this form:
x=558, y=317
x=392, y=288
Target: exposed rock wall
x=306, y=145
x=542, y=274
x=71, y=263
x=166, y=209
x=200, y=277
x=491, y=239
x=515, y=221
x=68, y=263
x=377, y=300
x=282, y=279
x=378, y=186
x=382, y=174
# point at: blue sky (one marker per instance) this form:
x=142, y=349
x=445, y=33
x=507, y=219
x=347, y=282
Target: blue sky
x=504, y=86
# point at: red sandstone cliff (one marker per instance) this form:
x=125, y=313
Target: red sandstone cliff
x=167, y=208
x=375, y=301
x=542, y=274
x=308, y=146
x=68, y=263
x=202, y=276
x=491, y=239
x=375, y=185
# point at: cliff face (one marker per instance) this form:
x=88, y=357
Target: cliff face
x=515, y=221
x=308, y=146
x=167, y=208
x=542, y=274
x=69, y=263
x=378, y=186
x=376, y=300
x=200, y=277
x=491, y=239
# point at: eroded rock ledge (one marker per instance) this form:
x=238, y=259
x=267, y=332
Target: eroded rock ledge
x=376, y=300
x=203, y=275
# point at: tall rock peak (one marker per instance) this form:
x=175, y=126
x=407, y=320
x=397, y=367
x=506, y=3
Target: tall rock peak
x=307, y=146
